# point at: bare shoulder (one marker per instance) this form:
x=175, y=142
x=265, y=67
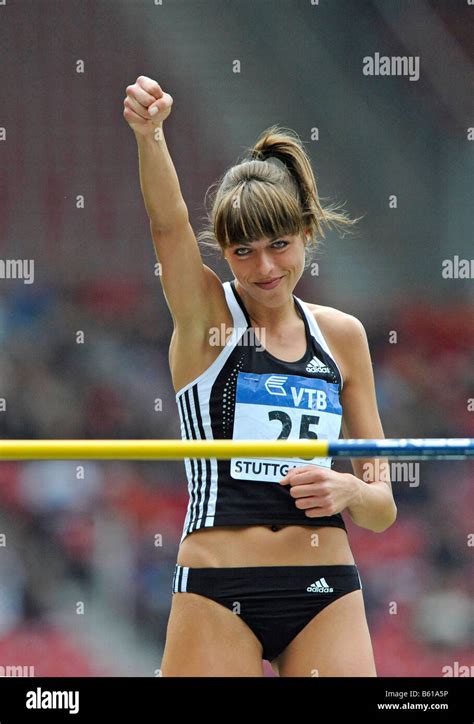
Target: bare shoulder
x=341, y=331
x=342, y=321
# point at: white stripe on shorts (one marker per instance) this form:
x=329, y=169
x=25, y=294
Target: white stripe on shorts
x=180, y=579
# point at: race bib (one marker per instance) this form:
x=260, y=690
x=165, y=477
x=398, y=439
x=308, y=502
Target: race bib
x=282, y=407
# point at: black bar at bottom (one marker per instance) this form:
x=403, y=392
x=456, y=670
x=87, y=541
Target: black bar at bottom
x=313, y=699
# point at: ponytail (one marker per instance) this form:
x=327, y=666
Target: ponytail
x=272, y=191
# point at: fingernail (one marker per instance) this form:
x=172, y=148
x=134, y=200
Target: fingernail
x=154, y=111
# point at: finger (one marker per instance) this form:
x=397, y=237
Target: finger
x=291, y=474
x=308, y=476
x=303, y=491
x=165, y=102
x=137, y=108
x=319, y=512
x=305, y=503
x=132, y=117
x=140, y=95
x=150, y=86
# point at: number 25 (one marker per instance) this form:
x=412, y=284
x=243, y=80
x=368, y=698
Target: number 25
x=285, y=419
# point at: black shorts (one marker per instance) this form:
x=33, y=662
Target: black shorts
x=276, y=602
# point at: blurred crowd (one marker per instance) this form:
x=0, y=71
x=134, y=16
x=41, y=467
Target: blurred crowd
x=91, y=361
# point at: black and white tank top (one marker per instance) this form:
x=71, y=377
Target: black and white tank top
x=247, y=393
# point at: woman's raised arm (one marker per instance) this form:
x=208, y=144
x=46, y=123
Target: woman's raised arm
x=188, y=284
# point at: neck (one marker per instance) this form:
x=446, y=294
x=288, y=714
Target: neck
x=271, y=318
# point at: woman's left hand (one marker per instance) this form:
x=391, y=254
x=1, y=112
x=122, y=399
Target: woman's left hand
x=321, y=491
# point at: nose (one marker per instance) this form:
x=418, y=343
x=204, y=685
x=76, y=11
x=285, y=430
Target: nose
x=264, y=264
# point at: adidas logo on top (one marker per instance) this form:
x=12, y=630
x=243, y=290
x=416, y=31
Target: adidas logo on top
x=320, y=586
x=317, y=366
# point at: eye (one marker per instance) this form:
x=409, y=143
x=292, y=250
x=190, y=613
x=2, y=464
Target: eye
x=242, y=248
x=245, y=250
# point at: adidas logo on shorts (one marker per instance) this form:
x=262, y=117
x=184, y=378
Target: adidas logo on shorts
x=320, y=586
x=317, y=366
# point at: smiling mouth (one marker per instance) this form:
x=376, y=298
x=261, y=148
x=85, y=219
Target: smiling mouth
x=269, y=284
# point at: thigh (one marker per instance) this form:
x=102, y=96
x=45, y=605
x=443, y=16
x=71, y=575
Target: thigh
x=336, y=642
x=204, y=638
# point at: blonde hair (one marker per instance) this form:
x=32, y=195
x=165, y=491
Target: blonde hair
x=271, y=192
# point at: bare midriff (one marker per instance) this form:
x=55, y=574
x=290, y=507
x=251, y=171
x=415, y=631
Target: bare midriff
x=264, y=545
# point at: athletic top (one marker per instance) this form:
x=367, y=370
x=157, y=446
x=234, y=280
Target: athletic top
x=247, y=393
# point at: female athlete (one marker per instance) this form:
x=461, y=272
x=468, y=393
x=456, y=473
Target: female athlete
x=264, y=569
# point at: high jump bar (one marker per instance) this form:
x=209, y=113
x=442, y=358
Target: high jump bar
x=175, y=449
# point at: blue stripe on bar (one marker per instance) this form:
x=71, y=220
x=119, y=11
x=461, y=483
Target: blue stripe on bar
x=417, y=448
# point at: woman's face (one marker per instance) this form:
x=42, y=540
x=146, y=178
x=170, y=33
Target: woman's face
x=266, y=260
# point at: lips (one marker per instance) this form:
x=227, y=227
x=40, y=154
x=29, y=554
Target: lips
x=270, y=284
